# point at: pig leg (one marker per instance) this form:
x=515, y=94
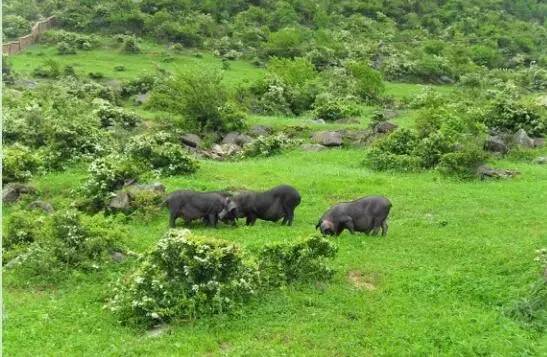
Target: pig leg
x=212, y=220
x=251, y=219
x=172, y=219
x=346, y=222
x=289, y=215
x=384, y=228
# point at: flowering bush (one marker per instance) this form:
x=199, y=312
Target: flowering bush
x=184, y=276
x=266, y=146
x=111, y=115
x=19, y=163
x=160, y=152
x=280, y=264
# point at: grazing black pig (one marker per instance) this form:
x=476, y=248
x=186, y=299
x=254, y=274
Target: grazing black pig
x=272, y=205
x=190, y=205
x=367, y=214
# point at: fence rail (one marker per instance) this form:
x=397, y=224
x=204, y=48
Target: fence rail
x=23, y=42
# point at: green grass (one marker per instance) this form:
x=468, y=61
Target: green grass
x=439, y=289
x=456, y=255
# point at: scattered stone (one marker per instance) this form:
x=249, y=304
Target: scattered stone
x=538, y=142
x=118, y=257
x=141, y=98
x=191, y=140
x=223, y=151
x=157, y=330
x=520, y=138
x=260, y=130
x=385, y=127
x=540, y=160
x=13, y=191
x=236, y=138
x=350, y=120
x=313, y=147
x=41, y=205
x=446, y=80
x=495, y=144
x=327, y=138
x=485, y=172
x=120, y=202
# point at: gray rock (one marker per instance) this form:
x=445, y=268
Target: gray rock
x=236, y=138
x=327, y=138
x=118, y=257
x=260, y=130
x=485, y=172
x=120, y=202
x=155, y=187
x=41, y=205
x=356, y=136
x=495, y=144
x=223, y=151
x=446, y=80
x=385, y=127
x=141, y=98
x=13, y=191
x=313, y=147
x=319, y=121
x=157, y=330
x=520, y=138
x=541, y=160
x=538, y=142
x=191, y=140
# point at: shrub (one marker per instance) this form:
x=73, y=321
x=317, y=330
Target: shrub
x=22, y=228
x=14, y=26
x=119, y=68
x=110, y=115
x=286, y=263
x=96, y=75
x=64, y=48
x=294, y=72
x=394, y=152
x=71, y=39
x=130, y=45
x=330, y=109
x=285, y=43
x=49, y=69
x=232, y=117
x=160, y=152
x=508, y=114
x=139, y=85
x=106, y=175
x=369, y=83
x=184, y=276
x=265, y=146
x=462, y=164
x=19, y=163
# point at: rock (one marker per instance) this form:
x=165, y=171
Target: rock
x=118, y=257
x=350, y=120
x=313, y=147
x=538, y=142
x=327, y=138
x=223, y=151
x=155, y=187
x=542, y=100
x=520, y=138
x=236, y=138
x=191, y=140
x=495, y=144
x=141, y=98
x=114, y=84
x=319, y=121
x=541, y=160
x=13, y=191
x=487, y=172
x=260, y=130
x=356, y=136
x=120, y=202
x=446, y=80
x=385, y=127
x=41, y=205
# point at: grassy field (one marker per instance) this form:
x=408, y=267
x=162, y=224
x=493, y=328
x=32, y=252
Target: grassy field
x=456, y=256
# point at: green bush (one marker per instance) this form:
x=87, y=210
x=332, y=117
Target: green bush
x=130, y=45
x=265, y=146
x=330, y=109
x=508, y=114
x=22, y=228
x=285, y=263
x=110, y=115
x=14, y=26
x=161, y=152
x=72, y=40
x=463, y=163
x=139, y=85
x=369, y=84
x=49, y=69
x=182, y=277
x=19, y=163
x=64, y=48
x=106, y=175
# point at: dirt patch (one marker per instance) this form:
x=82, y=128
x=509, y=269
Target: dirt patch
x=362, y=281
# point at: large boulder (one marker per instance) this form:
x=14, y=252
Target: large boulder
x=41, y=205
x=191, y=140
x=538, y=142
x=123, y=198
x=485, y=172
x=223, y=151
x=327, y=138
x=120, y=202
x=496, y=144
x=260, y=130
x=13, y=191
x=313, y=147
x=154, y=187
x=236, y=138
x=521, y=139
x=385, y=127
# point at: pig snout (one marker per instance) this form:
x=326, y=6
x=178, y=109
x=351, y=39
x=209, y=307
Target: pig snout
x=327, y=228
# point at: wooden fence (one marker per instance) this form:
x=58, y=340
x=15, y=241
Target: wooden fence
x=39, y=28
